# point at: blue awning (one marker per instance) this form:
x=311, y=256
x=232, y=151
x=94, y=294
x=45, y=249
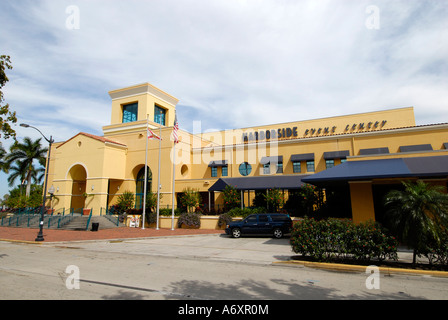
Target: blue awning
x=419, y=167
x=259, y=183
x=218, y=163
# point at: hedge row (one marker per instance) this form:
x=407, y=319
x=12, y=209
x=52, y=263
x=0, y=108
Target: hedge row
x=435, y=251
x=335, y=239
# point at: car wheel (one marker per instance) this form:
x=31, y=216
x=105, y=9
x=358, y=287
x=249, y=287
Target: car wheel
x=278, y=233
x=236, y=232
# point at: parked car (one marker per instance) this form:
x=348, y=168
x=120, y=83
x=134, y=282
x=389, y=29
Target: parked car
x=275, y=224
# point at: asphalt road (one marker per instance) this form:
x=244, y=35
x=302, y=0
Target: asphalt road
x=200, y=268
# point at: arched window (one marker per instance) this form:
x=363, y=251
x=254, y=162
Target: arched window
x=140, y=187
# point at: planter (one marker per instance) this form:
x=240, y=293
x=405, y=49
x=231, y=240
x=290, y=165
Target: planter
x=207, y=223
x=86, y=212
x=185, y=226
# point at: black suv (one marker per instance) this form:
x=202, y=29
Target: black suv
x=275, y=224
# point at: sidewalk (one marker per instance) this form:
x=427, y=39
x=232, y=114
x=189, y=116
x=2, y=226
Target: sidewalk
x=51, y=235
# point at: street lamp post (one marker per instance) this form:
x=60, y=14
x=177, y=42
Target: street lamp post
x=40, y=235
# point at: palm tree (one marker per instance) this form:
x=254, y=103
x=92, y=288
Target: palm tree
x=3, y=166
x=419, y=210
x=24, y=155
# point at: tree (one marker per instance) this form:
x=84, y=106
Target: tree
x=417, y=213
x=3, y=166
x=16, y=199
x=6, y=116
x=312, y=199
x=190, y=199
x=274, y=198
x=24, y=155
x=151, y=201
x=232, y=198
x=125, y=201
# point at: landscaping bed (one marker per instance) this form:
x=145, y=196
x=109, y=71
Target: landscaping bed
x=342, y=241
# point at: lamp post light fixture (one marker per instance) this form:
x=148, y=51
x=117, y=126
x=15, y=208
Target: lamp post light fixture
x=40, y=236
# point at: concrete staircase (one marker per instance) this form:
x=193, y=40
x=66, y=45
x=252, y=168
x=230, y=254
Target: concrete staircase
x=68, y=222
x=80, y=223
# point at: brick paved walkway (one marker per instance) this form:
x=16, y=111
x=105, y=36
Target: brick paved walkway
x=50, y=235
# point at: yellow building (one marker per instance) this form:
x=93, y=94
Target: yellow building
x=358, y=152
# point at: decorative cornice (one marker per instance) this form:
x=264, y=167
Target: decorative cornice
x=144, y=88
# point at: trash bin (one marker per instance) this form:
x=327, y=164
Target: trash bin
x=95, y=226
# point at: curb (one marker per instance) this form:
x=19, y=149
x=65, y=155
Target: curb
x=22, y=241
x=358, y=268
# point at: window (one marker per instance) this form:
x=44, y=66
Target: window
x=329, y=163
x=280, y=167
x=263, y=218
x=140, y=186
x=245, y=169
x=296, y=167
x=214, y=171
x=130, y=112
x=267, y=168
x=310, y=166
x=343, y=160
x=279, y=217
x=251, y=219
x=224, y=172
x=159, y=115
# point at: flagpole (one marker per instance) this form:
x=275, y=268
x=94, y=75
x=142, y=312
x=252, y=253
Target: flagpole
x=174, y=177
x=176, y=140
x=146, y=174
x=158, y=176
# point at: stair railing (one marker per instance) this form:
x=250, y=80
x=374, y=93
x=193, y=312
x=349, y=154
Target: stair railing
x=88, y=220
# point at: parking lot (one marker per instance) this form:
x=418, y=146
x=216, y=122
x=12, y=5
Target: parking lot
x=249, y=249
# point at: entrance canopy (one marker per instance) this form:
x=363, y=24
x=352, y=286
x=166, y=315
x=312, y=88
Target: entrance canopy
x=416, y=167
x=259, y=183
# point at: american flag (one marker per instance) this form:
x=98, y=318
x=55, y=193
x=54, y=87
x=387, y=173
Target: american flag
x=152, y=135
x=175, y=129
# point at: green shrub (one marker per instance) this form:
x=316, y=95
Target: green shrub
x=190, y=220
x=232, y=198
x=125, y=201
x=151, y=217
x=274, y=199
x=436, y=251
x=335, y=239
x=134, y=211
x=238, y=212
x=169, y=212
x=190, y=199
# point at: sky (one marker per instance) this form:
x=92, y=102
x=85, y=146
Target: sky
x=231, y=63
